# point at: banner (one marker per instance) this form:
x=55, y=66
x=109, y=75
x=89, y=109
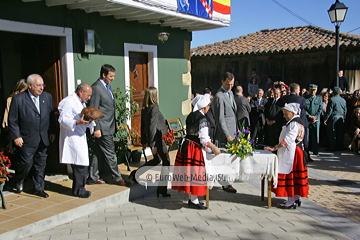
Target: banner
x=201, y=8
x=222, y=6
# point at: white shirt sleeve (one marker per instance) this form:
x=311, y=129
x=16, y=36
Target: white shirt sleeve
x=204, y=136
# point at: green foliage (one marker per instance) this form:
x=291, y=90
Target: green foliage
x=125, y=105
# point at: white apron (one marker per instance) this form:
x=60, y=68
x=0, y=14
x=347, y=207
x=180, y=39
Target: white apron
x=286, y=154
x=73, y=147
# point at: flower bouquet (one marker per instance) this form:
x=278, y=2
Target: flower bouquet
x=241, y=145
x=5, y=163
x=169, y=137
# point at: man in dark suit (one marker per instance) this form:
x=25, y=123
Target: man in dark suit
x=103, y=99
x=258, y=117
x=274, y=119
x=243, y=108
x=30, y=121
x=343, y=82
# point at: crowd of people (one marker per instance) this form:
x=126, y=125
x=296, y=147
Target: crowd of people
x=283, y=119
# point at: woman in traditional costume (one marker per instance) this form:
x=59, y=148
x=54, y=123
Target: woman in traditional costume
x=293, y=176
x=189, y=172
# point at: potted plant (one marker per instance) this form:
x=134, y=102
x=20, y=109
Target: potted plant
x=125, y=108
x=5, y=164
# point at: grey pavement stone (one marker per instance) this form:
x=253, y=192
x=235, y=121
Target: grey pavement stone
x=121, y=218
x=133, y=227
x=89, y=230
x=76, y=236
x=117, y=234
x=142, y=232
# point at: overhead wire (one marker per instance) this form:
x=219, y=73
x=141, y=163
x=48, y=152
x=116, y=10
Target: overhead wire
x=293, y=13
x=353, y=30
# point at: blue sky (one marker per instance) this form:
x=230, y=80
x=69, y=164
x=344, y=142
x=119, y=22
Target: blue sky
x=249, y=16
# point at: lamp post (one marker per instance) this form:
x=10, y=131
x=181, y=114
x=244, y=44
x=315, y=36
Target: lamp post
x=337, y=14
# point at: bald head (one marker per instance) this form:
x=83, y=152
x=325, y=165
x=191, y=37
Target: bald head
x=239, y=90
x=84, y=91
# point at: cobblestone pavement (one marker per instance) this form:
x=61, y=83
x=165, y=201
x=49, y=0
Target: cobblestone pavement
x=331, y=212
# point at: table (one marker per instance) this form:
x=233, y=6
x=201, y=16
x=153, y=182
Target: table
x=262, y=165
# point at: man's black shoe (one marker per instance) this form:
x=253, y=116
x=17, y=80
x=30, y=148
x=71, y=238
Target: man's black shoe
x=310, y=159
x=19, y=186
x=41, y=194
x=85, y=194
x=229, y=189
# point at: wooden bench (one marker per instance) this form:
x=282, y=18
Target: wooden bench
x=177, y=127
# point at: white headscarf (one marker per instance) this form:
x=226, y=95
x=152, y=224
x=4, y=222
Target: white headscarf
x=200, y=101
x=292, y=107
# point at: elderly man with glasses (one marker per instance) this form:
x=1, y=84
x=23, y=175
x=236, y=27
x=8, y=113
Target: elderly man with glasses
x=30, y=122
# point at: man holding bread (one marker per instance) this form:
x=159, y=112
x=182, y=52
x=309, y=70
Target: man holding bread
x=73, y=147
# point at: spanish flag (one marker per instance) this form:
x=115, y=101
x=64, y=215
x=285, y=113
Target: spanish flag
x=222, y=6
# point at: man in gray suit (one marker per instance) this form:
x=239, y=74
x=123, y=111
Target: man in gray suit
x=243, y=108
x=103, y=99
x=225, y=108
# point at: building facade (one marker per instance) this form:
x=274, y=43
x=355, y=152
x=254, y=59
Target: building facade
x=48, y=37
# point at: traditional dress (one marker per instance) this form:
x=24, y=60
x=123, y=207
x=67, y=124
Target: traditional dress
x=189, y=171
x=293, y=175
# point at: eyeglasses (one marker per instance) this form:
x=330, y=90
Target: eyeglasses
x=40, y=85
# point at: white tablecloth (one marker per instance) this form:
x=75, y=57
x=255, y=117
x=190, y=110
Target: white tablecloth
x=262, y=165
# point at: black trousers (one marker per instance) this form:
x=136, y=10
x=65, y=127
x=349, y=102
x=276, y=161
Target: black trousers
x=105, y=154
x=162, y=156
x=32, y=159
x=79, y=179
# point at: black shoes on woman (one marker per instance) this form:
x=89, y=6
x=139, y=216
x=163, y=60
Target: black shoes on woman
x=293, y=206
x=198, y=206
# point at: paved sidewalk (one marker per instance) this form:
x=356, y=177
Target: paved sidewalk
x=331, y=212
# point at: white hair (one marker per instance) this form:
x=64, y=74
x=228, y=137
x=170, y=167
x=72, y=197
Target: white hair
x=31, y=78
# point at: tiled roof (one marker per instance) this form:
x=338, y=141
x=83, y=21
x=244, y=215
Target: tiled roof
x=278, y=40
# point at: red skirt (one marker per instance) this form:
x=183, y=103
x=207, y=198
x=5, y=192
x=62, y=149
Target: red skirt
x=296, y=182
x=189, y=170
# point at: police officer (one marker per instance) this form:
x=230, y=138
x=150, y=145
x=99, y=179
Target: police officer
x=313, y=112
x=334, y=120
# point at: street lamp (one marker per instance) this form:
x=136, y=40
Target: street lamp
x=337, y=14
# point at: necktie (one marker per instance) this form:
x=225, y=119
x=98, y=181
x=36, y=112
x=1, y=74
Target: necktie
x=36, y=102
x=109, y=90
x=231, y=100
x=274, y=102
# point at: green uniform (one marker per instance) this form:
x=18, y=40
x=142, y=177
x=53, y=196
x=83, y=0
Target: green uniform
x=335, y=117
x=313, y=108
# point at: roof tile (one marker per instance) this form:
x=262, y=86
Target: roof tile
x=277, y=40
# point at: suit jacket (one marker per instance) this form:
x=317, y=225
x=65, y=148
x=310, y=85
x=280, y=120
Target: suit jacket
x=273, y=111
x=153, y=125
x=25, y=120
x=225, y=116
x=243, y=108
x=210, y=117
x=102, y=100
x=257, y=114
x=294, y=98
